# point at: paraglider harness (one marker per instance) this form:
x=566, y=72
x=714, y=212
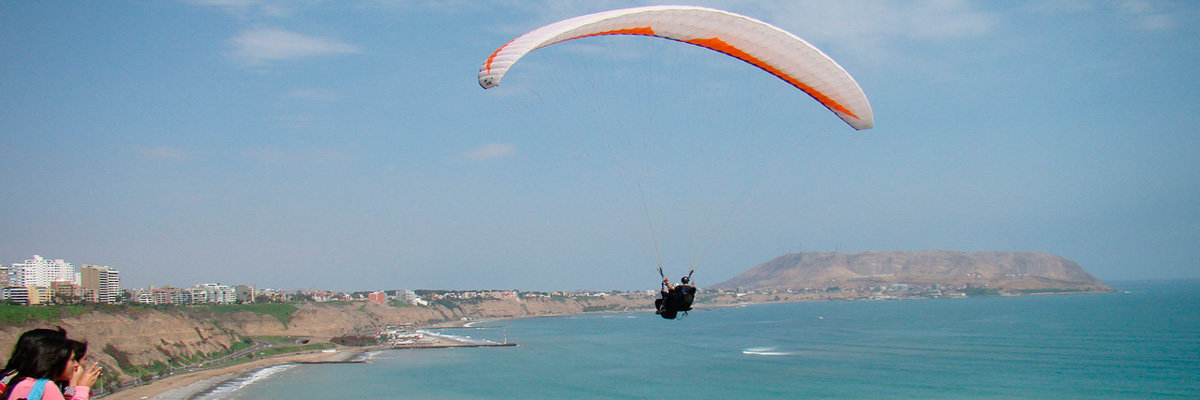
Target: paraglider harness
x=674, y=300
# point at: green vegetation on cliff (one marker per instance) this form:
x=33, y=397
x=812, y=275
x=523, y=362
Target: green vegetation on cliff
x=282, y=312
x=18, y=315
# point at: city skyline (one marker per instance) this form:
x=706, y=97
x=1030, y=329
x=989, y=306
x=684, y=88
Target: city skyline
x=37, y=282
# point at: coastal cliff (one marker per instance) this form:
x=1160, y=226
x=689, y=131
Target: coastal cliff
x=132, y=339
x=996, y=270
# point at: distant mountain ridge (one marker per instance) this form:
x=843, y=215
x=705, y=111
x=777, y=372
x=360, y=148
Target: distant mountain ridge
x=1003, y=270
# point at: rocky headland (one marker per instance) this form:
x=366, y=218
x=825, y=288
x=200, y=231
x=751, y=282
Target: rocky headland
x=1009, y=271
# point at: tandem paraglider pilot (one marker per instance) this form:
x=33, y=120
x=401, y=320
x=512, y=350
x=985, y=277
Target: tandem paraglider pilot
x=675, y=299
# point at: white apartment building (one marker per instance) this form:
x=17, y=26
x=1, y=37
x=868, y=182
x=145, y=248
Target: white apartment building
x=217, y=293
x=207, y=293
x=41, y=272
x=410, y=297
x=101, y=284
x=143, y=296
x=194, y=295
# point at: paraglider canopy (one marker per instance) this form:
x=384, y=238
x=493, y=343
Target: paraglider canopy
x=765, y=46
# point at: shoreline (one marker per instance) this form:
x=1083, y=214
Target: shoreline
x=191, y=384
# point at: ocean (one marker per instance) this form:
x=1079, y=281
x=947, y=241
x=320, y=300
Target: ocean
x=1142, y=342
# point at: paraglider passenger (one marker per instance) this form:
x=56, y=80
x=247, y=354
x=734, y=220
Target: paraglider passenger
x=685, y=284
x=675, y=298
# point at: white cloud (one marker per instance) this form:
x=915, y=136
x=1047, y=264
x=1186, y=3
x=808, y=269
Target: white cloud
x=1150, y=16
x=161, y=153
x=491, y=151
x=1136, y=14
x=261, y=46
x=872, y=29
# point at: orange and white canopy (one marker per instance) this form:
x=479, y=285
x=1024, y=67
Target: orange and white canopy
x=763, y=45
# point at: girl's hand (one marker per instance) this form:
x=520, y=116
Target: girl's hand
x=86, y=376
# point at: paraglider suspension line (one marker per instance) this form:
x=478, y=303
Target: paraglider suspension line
x=650, y=226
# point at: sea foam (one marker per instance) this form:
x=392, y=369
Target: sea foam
x=765, y=351
x=224, y=389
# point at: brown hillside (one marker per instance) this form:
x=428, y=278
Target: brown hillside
x=1004, y=270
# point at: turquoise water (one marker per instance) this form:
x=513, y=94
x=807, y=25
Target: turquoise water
x=1140, y=344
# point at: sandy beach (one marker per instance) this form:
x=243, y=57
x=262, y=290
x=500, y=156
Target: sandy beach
x=185, y=386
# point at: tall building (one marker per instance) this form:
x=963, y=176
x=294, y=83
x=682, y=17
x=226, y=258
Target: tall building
x=41, y=272
x=101, y=284
x=214, y=293
x=245, y=294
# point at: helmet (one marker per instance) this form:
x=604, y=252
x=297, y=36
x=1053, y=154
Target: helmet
x=684, y=280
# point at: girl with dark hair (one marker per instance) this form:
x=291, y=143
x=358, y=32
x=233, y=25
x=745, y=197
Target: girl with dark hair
x=57, y=360
x=26, y=349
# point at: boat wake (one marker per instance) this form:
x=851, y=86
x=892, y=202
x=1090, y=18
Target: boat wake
x=765, y=351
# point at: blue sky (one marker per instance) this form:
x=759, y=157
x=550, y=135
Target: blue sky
x=319, y=144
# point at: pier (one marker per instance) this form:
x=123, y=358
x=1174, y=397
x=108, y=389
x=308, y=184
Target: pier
x=448, y=345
